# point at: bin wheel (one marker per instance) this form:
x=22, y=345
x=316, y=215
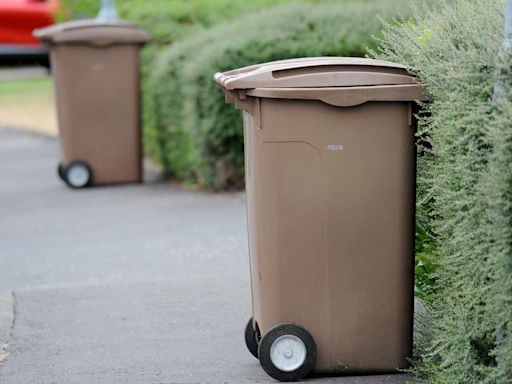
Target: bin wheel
x=78, y=174
x=60, y=172
x=251, y=339
x=287, y=352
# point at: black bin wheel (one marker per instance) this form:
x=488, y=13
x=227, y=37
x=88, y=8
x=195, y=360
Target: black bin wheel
x=60, y=172
x=77, y=174
x=287, y=352
x=251, y=339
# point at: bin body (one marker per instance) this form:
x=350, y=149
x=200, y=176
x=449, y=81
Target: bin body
x=331, y=231
x=330, y=181
x=97, y=88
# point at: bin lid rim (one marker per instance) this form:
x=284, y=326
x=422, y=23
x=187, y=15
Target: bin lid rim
x=309, y=89
x=314, y=61
x=346, y=96
x=314, y=73
x=77, y=25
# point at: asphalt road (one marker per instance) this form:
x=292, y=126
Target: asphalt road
x=128, y=284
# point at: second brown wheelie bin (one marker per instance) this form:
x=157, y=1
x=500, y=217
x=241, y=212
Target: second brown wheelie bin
x=95, y=65
x=330, y=181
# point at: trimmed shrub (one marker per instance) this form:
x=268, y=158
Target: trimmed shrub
x=465, y=179
x=191, y=130
x=166, y=20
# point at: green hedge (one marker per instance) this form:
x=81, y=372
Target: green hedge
x=190, y=130
x=167, y=20
x=465, y=179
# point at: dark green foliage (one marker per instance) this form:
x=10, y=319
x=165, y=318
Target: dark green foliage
x=192, y=131
x=465, y=179
x=425, y=264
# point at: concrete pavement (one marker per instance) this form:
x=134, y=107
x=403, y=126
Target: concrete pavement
x=129, y=284
x=7, y=308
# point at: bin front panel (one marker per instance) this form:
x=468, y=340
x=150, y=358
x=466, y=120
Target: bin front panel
x=98, y=107
x=288, y=259
x=331, y=213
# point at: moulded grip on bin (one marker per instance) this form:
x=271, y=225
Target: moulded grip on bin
x=242, y=102
x=93, y=32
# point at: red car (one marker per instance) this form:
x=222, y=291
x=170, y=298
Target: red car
x=18, y=18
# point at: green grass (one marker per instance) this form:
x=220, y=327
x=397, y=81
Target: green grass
x=16, y=90
x=28, y=104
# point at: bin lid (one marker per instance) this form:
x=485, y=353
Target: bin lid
x=316, y=72
x=96, y=32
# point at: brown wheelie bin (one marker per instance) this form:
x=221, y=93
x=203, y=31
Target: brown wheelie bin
x=330, y=179
x=95, y=66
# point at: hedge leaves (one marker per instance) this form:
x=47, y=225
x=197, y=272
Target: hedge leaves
x=465, y=178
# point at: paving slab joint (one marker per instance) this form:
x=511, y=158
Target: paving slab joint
x=8, y=303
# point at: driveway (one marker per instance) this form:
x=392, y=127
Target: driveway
x=128, y=284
